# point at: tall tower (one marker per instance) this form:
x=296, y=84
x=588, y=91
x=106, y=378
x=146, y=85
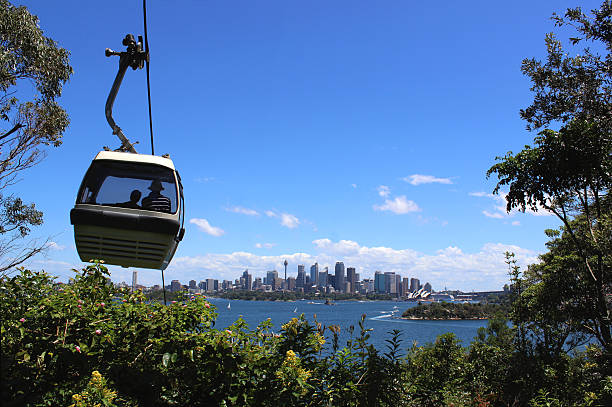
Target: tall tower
x=134, y=280
x=285, y=264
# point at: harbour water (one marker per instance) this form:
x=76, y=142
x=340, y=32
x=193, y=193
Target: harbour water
x=379, y=317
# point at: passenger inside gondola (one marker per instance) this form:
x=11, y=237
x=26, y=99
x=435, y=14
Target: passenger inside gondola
x=155, y=201
x=133, y=202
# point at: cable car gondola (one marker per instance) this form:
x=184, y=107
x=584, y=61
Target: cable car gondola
x=129, y=209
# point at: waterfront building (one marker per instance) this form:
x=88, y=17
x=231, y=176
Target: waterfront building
x=351, y=278
x=427, y=287
x=175, y=286
x=248, y=280
x=291, y=283
x=134, y=280
x=322, y=281
x=210, y=285
x=367, y=285
x=314, y=274
x=339, y=276
x=192, y=285
x=300, y=281
x=405, y=286
x=257, y=283
x=379, y=282
x=270, y=277
x=390, y=285
x=414, y=284
x=398, y=284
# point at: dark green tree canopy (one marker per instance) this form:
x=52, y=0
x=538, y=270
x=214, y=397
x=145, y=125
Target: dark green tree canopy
x=27, y=58
x=568, y=171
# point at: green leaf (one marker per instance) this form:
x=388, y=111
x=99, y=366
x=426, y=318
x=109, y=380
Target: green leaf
x=165, y=359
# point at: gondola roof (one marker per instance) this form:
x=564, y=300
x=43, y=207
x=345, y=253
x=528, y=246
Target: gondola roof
x=135, y=158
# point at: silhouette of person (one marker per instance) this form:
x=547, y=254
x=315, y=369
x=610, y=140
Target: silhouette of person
x=155, y=201
x=133, y=202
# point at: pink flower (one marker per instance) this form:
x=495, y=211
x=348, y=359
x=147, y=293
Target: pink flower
x=79, y=306
x=174, y=302
x=102, y=304
x=98, y=332
x=78, y=348
x=22, y=320
x=207, y=305
x=228, y=331
x=80, y=301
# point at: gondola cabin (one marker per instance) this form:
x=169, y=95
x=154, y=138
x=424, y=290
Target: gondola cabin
x=129, y=211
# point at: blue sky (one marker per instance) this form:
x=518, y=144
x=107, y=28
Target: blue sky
x=313, y=131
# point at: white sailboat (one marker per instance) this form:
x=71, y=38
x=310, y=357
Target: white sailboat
x=229, y=305
x=295, y=310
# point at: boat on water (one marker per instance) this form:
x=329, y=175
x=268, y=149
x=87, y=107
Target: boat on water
x=229, y=305
x=295, y=310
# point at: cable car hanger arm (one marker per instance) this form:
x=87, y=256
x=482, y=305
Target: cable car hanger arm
x=133, y=57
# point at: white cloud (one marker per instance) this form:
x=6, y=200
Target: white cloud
x=384, y=191
x=55, y=246
x=286, y=219
x=265, y=245
x=482, y=269
x=418, y=179
x=205, y=227
x=498, y=211
x=399, y=205
x=354, y=185
x=289, y=220
x=243, y=211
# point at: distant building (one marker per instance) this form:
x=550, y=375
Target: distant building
x=379, y=282
x=339, y=276
x=322, y=281
x=291, y=283
x=210, y=285
x=134, y=280
x=351, y=278
x=427, y=287
x=398, y=284
x=367, y=285
x=175, y=286
x=300, y=281
x=257, y=283
x=192, y=285
x=314, y=274
x=405, y=286
x=270, y=277
x=247, y=284
x=414, y=284
x=390, y=285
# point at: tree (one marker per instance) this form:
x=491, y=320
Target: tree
x=568, y=171
x=29, y=126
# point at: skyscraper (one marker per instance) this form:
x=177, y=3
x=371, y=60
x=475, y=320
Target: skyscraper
x=390, y=285
x=314, y=274
x=351, y=277
x=379, y=282
x=323, y=278
x=414, y=284
x=339, y=276
x=301, y=277
x=248, y=280
x=134, y=280
x=271, y=277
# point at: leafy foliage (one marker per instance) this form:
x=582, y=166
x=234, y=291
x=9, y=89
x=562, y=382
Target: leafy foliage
x=55, y=337
x=449, y=310
x=27, y=126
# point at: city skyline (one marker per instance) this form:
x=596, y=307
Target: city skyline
x=359, y=133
